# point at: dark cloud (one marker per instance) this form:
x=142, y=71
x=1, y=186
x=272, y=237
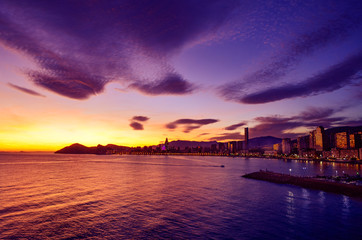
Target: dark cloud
x=313, y=113
x=136, y=126
x=332, y=79
x=171, y=84
x=274, y=126
x=310, y=118
x=202, y=134
x=190, y=124
x=80, y=47
x=140, y=118
x=25, y=90
x=292, y=53
x=235, y=126
x=227, y=136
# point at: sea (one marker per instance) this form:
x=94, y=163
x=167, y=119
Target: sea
x=55, y=196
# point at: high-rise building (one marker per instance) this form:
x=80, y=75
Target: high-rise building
x=302, y=144
x=355, y=140
x=286, y=146
x=312, y=140
x=319, y=138
x=166, y=144
x=239, y=145
x=221, y=147
x=277, y=147
x=232, y=146
x=342, y=141
x=246, y=138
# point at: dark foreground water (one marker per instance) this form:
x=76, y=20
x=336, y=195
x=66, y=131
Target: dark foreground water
x=49, y=196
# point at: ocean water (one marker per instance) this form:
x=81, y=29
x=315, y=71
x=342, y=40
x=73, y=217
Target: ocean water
x=51, y=196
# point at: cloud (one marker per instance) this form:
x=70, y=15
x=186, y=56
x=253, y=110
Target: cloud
x=309, y=119
x=135, y=122
x=235, y=126
x=172, y=84
x=228, y=136
x=313, y=113
x=136, y=126
x=289, y=56
x=79, y=48
x=25, y=90
x=334, y=78
x=190, y=124
x=140, y=118
x=202, y=134
x=274, y=126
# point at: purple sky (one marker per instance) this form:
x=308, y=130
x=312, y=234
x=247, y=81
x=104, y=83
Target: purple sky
x=193, y=70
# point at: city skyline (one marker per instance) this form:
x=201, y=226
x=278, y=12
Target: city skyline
x=134, y=72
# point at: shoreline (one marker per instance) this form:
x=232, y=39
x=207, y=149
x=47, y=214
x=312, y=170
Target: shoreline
x=356, y=162
x=308, y=182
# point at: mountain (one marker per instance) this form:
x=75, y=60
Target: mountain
x=192, y=144
x=259, y=142
x=77, y=148
x=263, y=142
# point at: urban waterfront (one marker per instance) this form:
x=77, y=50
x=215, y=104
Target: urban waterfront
x=161, y=197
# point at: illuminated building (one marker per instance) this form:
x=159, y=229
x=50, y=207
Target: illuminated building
x=277, y=147
x=355, y=140
x=342, y=140
x=232, y=146
x=319, y=138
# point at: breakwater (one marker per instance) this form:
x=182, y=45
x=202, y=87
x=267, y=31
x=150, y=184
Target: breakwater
x=308, y=182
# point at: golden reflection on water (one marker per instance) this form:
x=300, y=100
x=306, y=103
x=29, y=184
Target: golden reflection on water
x=121, y=195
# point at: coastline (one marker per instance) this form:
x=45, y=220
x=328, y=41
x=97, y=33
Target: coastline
x=356, y=162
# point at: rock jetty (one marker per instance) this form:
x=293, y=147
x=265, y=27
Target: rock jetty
x=308, y=182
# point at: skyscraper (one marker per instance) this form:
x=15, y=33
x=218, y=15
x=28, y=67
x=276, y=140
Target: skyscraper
x=342, y=140
x=246, y=138
x=319, y=137
x=286, y=146
x=166, y=144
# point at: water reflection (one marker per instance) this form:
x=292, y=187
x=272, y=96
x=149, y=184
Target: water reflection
x=162, y=197
x=346, y=204
x=290, y=206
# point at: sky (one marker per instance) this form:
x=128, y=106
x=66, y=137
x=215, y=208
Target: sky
x=134, y=72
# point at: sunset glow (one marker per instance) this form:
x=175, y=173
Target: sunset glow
x=81, y=73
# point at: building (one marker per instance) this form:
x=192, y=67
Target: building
x=246, y=138
x=312, y=140
x=319, y=139
x=355, y=140
x=166, y=144
x=342, y=140
x=286, y=146
x=221, y=147
x=232, y=147
x=277, y=148
x=303, y=143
